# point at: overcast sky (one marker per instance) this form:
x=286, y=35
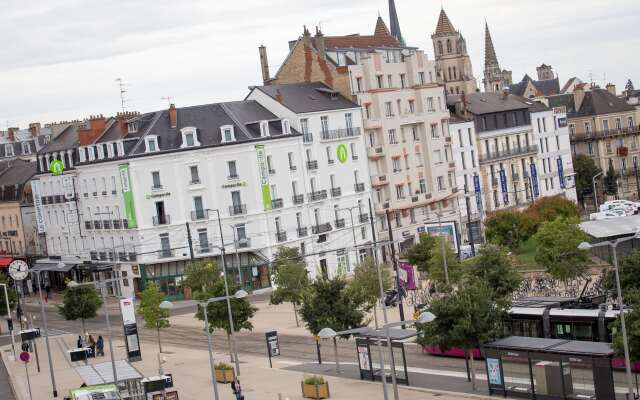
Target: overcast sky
x=61, y=58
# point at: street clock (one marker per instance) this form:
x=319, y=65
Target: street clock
x=18, y=270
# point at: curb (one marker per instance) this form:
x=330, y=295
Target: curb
x=10, y=374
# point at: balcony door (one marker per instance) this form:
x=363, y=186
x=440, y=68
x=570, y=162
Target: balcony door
x=160, y=212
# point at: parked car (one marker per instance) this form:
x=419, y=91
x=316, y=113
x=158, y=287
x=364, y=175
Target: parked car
x=609, y=214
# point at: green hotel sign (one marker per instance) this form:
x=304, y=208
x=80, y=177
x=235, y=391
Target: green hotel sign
x=56, y=167
x=342, y=153
x=127, y=195
x=264, y=176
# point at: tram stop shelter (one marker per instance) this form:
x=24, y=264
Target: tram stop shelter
x=369, y=357
x=129, y=378
x=549, y=369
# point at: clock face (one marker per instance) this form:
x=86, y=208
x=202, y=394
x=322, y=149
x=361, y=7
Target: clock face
x=18, y=270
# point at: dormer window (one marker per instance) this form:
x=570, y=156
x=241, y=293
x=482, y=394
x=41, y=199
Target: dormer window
x=100, y=152
x=8, y=150
x=82, y=154
x=264, y=128
x=189, y=137
x=286, y=127
x=151, y=143
x=132, y=127
x=228, y=133
x=26, y=148
x=110, y=150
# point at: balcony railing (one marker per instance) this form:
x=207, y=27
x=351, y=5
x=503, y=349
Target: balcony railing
x=106, y=224
x=281, y=236
x=313, y=165
x=307, y=137
x=515, y=177
x=97, y=224
x=363, y=218
x=277, y=203
x=204, y=248
x=322, y=228
x=340, y=133
x=163, y=219
x=359, y=187
x=117, y=224
x=318, y=195
x=93, y=255
x=133, y=256
x=335, y=192
x=238, y=209
x=243, y=243
x=165, y=253
x=609, y=133
x=302, y=231
x=517, y=151
x=125, y=223
x=87, y=225
x=340, y=223
x=122, y=256
x=198, y=215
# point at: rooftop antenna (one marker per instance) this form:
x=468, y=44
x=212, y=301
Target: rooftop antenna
x=121, y=85
x=169, y=99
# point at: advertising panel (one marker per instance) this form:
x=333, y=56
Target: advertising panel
x=132, y=342
x=446, y=230
x=476, y=187
x=264, y=176
x=534, y=180
x=561, y=173
x=127, y=195
x=37, y=202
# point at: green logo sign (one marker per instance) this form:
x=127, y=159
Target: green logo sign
x=56, y=167
x=343, y=153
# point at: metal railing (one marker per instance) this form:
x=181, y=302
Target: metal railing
x=363, y=218
x=163, y=219
x=298, y=198
x=340, y=133
x=312, y=164
x=335, y=192
x=281, y=236
x=307, y=137
x=238, y=209
x=318, y=195
x=359, y=187
x=516, y=151
x=302, y=231
x=197, y=215
x=165, y=253
x=602, y=134
x=277, y=203
x=340, y=223
x=117, y=224
x=321, y=228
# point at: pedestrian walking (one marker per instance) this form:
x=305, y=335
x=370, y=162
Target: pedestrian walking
x=92, y=345
x=100, y=346
x=80, y=342
x=237, y=389
x=47, y=291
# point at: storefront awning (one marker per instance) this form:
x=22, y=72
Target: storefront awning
x=96, y=267
x=52, y=266
x=5, y=261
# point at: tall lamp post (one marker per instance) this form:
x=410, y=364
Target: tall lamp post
x=625, y=341
x=240, y=294
x=46, y=335
x=595, y=193
x=6, y=298
x=423, y=318
x=103, y=285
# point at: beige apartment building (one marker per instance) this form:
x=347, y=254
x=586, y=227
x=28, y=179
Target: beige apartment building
x=605, y=128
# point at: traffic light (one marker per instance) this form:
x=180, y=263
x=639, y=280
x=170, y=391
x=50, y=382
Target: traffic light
x=10, y=324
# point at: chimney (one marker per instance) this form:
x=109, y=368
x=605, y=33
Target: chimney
x=88, y=134
x=279, y=96
x=264, y=64
x=306, y=37
x=34, y=128
x=611, y=88
x=578, y=96
x=11, y=134
x=505, y=92
x=319, y=42
x=173, y=116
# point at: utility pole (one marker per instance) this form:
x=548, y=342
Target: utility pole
x=635, y=171
x=395, y=266
x=190, y=242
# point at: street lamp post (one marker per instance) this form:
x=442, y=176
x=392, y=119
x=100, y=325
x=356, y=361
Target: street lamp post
x=165, y=305
x=625, y=342
x=442, y=247
x=6, y=298
x=102, y=285
x=46, y=336
x=595, y=193
x=240, y=294
x=423, y=318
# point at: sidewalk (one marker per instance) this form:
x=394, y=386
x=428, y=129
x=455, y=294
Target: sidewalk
x=192, y=376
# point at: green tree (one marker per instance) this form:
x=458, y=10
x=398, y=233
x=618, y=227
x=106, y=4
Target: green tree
x=466, y=317
x=200, y=276
x=550, y=208
x=80, y=302
x=585, y=169
x=13, y=298
x=420, y=253
x=632, y=322
x=557, y=249
x=611, y=181
x=154, y=316
x=495, y=267
x=365, y=284
x=330, y=303
x=509, y=229
x=436, y=264
x=290, y=278
x=629, y=270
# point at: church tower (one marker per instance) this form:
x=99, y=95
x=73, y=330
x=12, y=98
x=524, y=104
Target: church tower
x=395, y=24
x=494, y=79
x=452, y=60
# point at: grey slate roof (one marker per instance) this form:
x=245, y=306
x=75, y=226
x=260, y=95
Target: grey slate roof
x=596, y=102
x=17, y=149
x=547, y=87
x=14, y=175
x=308, y=97
x=486, y=103
x=66, y=140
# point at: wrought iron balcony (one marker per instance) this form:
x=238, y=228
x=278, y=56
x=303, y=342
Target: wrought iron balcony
x=340, y=223
x=106, y=224
x=359, y=187
x=340, y=133
x=318, y=195
x=163, y=219
x=302, y=231
x=335, y=192
x=117, y=224
x=97, y=224
x=363, y=218
x=277, y=203
x=298, y=198
x=322, y=228
x=514, y=152
x=199, y=215
x=238, y=209
x=281, y=236
x=165, y=253
x=88, y=225
x=307, y=137
x=313, y=165
x=603, y=134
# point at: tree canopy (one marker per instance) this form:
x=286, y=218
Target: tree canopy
x=632, y=320
x=154, y=316
x=550, y=208
x=290, y=277
x=365, y=283
x=629, y=270
x=585, y=169
x=436, y=264
x=80, y=302
x=200, y=276
x=611, y=181
x=13, y=298
x=421, y=253
x=557, y=249
x=330, y=303
x=495, y=267
x=509, y=228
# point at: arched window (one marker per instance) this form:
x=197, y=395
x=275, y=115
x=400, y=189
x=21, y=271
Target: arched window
x=449, y=73
x=440, y=51
x=457, y=90
x=448, y=45
x=454, y=73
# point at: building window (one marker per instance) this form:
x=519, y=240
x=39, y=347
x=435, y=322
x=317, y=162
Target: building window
x=434, y=131
x=152, y=143
x=26, y=148
x=264, y=128
x=396, y=165
x=354, y=155
x=449, y=46
x=228, y=133
x=430, y=104
x=270, y=166
x=379, y=81
x=414, y=133
x=440, y=180
x=304, y=126
x=390, y=81
x=155, y=177
x=324, y=124
x=195, y=176
x=400, y=192
x=388, y=110
x=421, y=77
x=403, y=80
x=233, y=169
x=392, y=137
x=590, y=148
x=329, y=159
x=630, y=122
x=286, y=127
x=292, y=165
x=358, y=84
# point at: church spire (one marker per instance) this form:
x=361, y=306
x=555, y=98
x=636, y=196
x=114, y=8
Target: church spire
x=490, y=58
x=395, y=24
x=444, y=26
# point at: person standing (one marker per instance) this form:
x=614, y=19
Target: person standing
x=100, y=346
x=47, y=291
x=80, y=342
x=237, y=389
x=92, y=345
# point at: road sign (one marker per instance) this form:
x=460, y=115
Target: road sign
x=24, y=357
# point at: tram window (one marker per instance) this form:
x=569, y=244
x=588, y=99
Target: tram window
x=563, y=331
x=583, y=331
x=525, y=327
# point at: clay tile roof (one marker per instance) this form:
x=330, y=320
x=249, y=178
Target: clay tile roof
x=444, y=24
x=381, y=28
x=360, y=42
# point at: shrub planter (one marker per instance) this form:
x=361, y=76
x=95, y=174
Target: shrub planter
x=224, y=373
x=315, y=390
